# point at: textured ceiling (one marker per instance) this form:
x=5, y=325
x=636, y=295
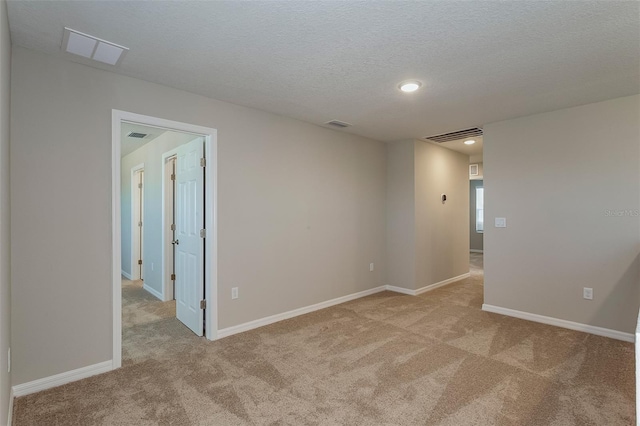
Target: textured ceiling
x=316, y=61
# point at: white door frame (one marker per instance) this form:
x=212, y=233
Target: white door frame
x=167, y=283
x=211, y=220
x=134, y=226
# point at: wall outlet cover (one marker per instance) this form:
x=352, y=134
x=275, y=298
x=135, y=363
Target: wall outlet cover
x=501, y=222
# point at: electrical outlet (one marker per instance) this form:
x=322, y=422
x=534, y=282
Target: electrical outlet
x=152, y=266
x=371, y=267
x=587, y=293
x=234, y=293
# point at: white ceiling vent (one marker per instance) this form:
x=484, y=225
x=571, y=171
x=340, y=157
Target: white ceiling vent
x=92, y=47
x=137, y=135
x=454, y=136
x=337, y=123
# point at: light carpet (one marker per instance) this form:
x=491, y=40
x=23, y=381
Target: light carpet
x=386, y=359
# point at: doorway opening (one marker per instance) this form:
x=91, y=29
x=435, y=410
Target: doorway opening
x=171, y=212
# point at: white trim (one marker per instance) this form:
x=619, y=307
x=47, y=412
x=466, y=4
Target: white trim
x=211, y=282
x=599, y=331
x=400, y=290
x=10, y=412
x=476, y=251
x=211, y=234
x=229, y=331
x=126, y=275
x=116, y=237
x=429, y=287
x=61, y=379
x=154, y=292
x=442, y=283
x=225, y=332
x=134, y=225
x=167, y=285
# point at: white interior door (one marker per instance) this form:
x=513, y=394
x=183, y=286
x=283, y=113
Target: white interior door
x=189, y=245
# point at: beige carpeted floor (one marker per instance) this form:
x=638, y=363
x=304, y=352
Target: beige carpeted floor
x=387, y=359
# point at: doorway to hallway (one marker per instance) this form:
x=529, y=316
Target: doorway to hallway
x=186, y=220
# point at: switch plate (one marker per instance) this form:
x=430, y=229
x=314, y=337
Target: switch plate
x=501, y=222
x=371, y=267
x=587, y=293
x=234, y=293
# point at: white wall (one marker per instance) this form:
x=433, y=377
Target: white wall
x=301, y=208
x=427, y=241
x=151, y=155
x=558, y=177
x=5, y=209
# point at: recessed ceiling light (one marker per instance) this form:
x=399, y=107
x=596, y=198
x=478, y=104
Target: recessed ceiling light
x=92, y=47
x=469, y=142
x=410, y=86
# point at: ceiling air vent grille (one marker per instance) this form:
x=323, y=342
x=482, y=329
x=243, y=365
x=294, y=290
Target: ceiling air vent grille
x=339, y=124
x=137, y=135
x=453, y=136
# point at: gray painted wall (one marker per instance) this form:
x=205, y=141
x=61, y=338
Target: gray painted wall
x=476, y=239
x=5, y=210
x=560, y=179
x=428, y=241
x=442, y=235
x=301, y=208
x=151, y=155
x=401, y=215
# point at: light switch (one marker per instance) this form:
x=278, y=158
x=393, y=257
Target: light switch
x=501, y=222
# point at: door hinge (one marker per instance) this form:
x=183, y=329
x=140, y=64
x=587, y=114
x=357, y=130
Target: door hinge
x=173, y=226
x=140, y=262
x=203, y=233
x=203, y=304
x=203, y=162
x=173, y=176
x=139, y=223
x=140, y=185
x=173, y=277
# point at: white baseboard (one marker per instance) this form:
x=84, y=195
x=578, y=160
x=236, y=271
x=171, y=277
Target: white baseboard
x=400, y=290
x=156, y=293
x=442, y=283
x=476, y=251
x=229, y=331
x=61, y=379
x=126, y=275
x=428, y=287
x=10, y=413
x=599, y=331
